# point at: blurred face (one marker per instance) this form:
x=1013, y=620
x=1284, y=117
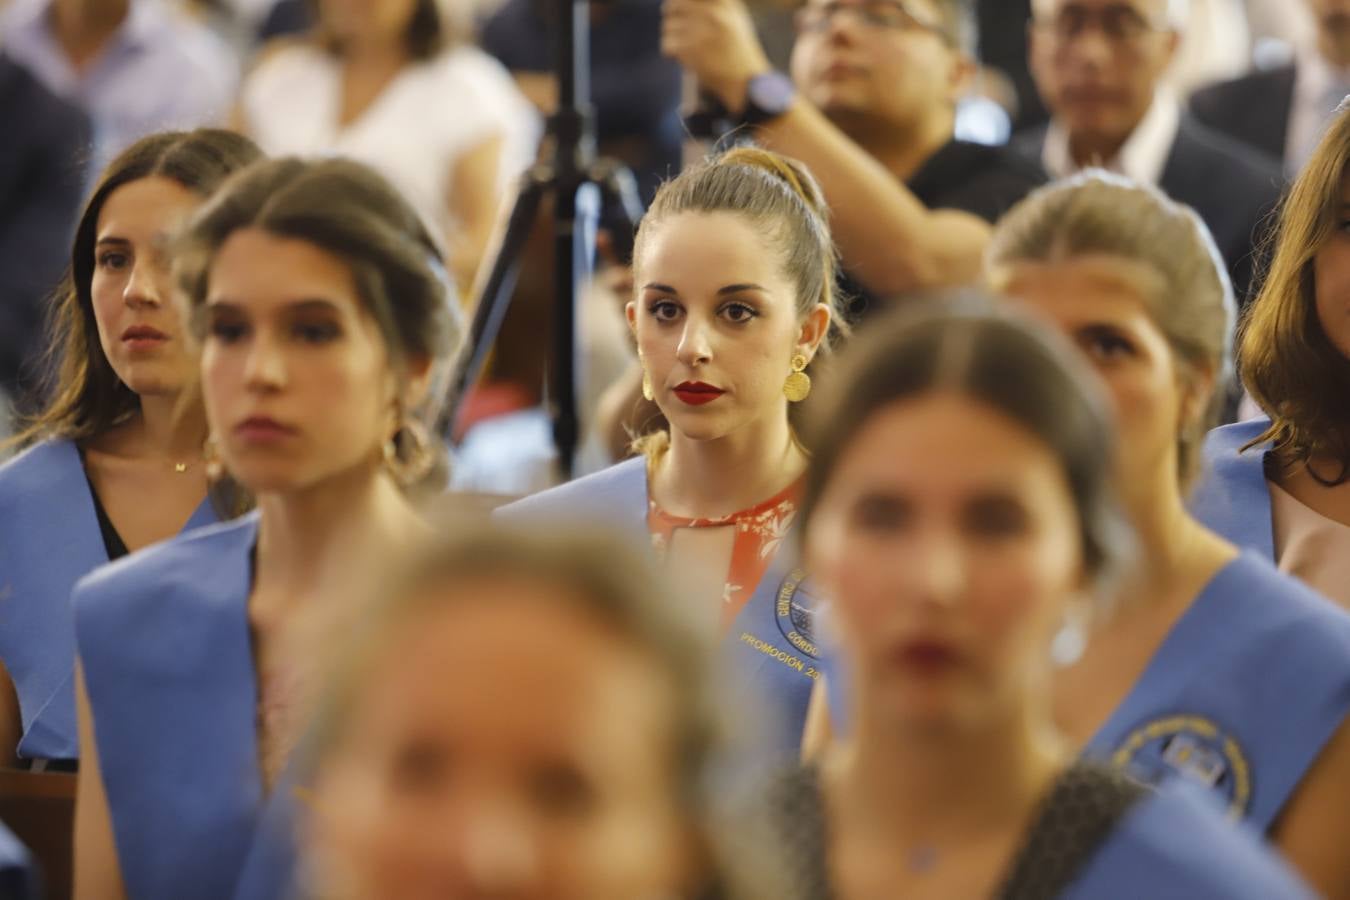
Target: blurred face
x=138, y=324
x=948, y=542
x=1101, y=304
x=1097, y=62
x=367, y=20
x=545, y=775
x=717, y=324
x=877, y=59
x=1333, y=29
x=295, y=371
x=1332, y=279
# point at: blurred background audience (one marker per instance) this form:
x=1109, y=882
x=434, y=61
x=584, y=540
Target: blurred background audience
x=397, y=84
x=135, y=66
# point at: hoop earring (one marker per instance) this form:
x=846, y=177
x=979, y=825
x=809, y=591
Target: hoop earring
x=409, y=466
x=212, y=464
x=797, y=387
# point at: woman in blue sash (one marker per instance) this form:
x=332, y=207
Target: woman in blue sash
x=579, y=761
x=114, y=460
x=959, y=518
x=734, y=270
x=1214, y=666
x=320, y=304
x=1280, y=483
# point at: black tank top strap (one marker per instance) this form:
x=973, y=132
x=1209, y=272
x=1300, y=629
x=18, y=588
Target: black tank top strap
x=112, y=541
x=1080, y=812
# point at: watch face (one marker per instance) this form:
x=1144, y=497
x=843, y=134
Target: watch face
x=771, y=92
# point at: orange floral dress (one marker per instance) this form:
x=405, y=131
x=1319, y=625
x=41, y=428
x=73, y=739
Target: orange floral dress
x=760, y=531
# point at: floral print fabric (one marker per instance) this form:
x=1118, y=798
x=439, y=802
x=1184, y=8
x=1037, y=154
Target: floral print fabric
x=760, y=531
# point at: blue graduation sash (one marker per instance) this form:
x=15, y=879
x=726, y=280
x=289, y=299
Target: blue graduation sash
x=1171, y=846
x=1232, y=497
x=771, y=643
x=168, y=662
x=49, y=538
x=1243, y=694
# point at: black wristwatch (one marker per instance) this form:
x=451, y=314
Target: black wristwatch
x=767, y=96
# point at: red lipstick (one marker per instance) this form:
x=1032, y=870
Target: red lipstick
x=697, y=393
x=927, y=658
x=263, y=430
x=143, y=337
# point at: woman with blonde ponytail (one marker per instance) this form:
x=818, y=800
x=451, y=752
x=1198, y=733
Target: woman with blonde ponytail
x=734, y=300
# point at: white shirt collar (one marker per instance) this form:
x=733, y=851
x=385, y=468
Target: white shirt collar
x=1318, y=88
x=1145, y=153
x=1314, y=77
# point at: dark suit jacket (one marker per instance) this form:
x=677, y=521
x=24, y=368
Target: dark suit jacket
x=43, y=160
x=1255, y=109
x=1232, y=187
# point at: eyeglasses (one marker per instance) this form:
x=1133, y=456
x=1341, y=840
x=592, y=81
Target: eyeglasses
x=1120, y=24
x=876, y=15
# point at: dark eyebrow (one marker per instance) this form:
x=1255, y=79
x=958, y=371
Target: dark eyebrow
x=121, y=242
x=740, y=289
x=313, y=304
x=722, y=292
x=1097, y=325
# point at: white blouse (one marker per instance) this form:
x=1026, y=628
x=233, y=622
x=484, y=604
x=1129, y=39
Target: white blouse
x=414, y=132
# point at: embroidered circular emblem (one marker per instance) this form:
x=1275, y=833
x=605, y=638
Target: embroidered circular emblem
x=796, y=613
x=1195, y=748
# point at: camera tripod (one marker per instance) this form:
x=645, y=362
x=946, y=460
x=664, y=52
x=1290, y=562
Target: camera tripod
x=582, y=187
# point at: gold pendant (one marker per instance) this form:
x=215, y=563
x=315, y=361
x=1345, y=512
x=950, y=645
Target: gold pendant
x=180, y=467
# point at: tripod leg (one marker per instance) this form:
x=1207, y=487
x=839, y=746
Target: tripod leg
x=577, y=218
x=495, y=299
x=621, y=201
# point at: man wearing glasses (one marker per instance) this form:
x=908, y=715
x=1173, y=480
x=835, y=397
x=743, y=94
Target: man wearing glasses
x=870, y=107
x=1100, y=67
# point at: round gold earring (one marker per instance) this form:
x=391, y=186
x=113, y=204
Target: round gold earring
x=798, y=385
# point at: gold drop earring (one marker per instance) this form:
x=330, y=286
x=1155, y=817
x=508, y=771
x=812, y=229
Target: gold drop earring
x=797, y=387
x=647, y=393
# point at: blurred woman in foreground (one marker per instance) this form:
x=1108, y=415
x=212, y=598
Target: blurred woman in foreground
x=576, y=762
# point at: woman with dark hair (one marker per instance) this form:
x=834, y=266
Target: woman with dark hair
x=735, y=303
x=114, y=459
x=320, y=305
x=391, y=83
x=1280, y=484
x=580, y=761
x=959, y=517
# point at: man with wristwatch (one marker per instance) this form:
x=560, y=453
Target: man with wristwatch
x=870, y=108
